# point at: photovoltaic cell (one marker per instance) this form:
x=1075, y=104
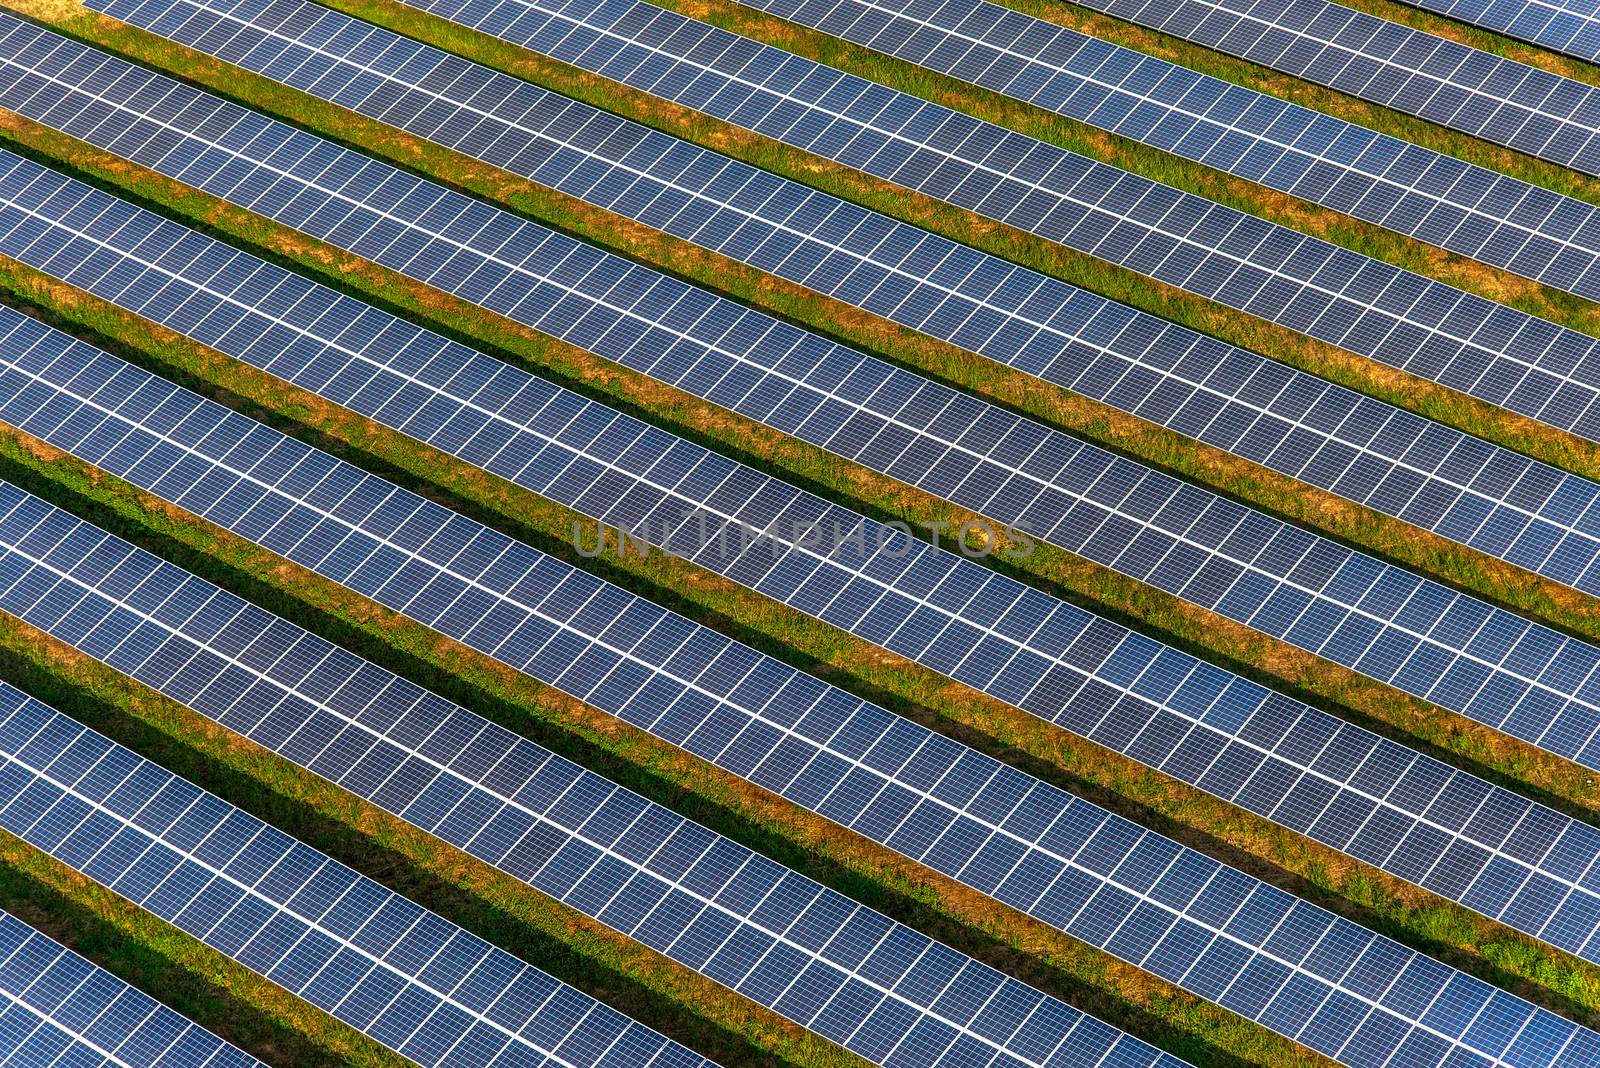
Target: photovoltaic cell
x=406, y=977
x=1460, y=653
x=782, y=940
x=58, y=1009
x=581, y=454
x=1297, y=969
x=1514, y=104
x=1492, y=499
x=1570, y=26
x=1375, y=177
x=1424, y=327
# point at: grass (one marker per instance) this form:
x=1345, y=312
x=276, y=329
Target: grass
x=1044, y=957
x=203, y=985
x=861, y=869
x=1210, y=182
x=267, y=1020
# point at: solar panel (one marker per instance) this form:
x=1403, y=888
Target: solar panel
x=1214, y=730
x=845, y=971
x=1398, y=463
x=1218, y=933
x=1490, y=665
x=404, y=976
x=1570, y=26
x=1463, y=88
x=1381, y=179
x=58, y=1009
x=1490, y=351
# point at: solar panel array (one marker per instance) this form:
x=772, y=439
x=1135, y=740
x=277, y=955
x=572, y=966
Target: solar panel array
x=1214, y=730
x=586, y=456
x=1310, y=975
x=60, y=1010
x=1488, y=350
x=1514, y=104
x=1492, y=499
x=780, y=939
x=1570, y=26
x=404, y=976
x=1469, y=210
x=1490, y=665
x=847, y=973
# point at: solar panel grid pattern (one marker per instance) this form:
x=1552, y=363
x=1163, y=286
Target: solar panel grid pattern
x=780, y=939
x=1471, y=344
x=1543, y=685
x=1415, y=72
x=1469, y=210
x=58, y=1009
x=1492, y=499
x=1215, y=931
x=1241, y=741
x=626, y=453
x=1573, y=28
x=402, y=975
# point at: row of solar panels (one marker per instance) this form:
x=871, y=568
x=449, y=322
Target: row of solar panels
x=869, y=590
x=1425, y=327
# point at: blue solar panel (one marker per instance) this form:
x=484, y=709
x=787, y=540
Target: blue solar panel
x=407, y=978
x=58, y=1009
x=1570, y=26
x=1490, y=665
x=1432, y=330
x=1295, y=968
x=1381, y=179
x=1492, y=499
x=1213, y=730
x=1514, y=104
